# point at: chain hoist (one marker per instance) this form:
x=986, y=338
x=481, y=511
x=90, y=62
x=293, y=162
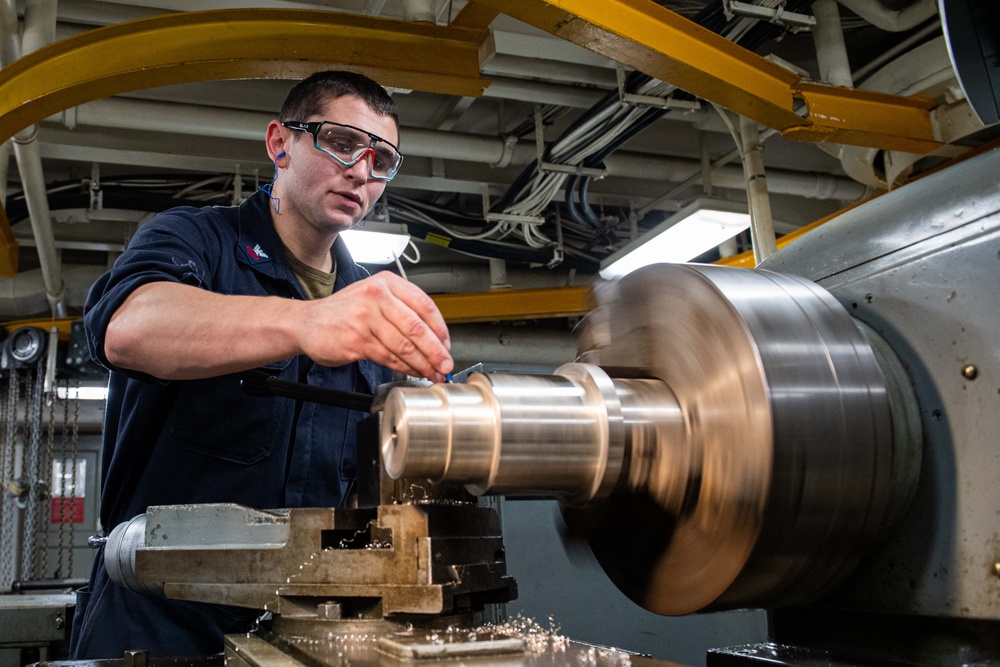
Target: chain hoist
x=65, y=537
x=73, y=480
x=10, y=491
x=7, y=516
x=30, y=501
x=50, y=432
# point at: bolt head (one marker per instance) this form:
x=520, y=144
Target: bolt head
x=970, y=372
x=329, y=610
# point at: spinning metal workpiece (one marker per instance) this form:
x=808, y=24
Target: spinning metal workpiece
x=729, y=438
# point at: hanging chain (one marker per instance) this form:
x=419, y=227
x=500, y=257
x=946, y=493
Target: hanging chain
x=12, y=485
x=73, y=480
x=61, y=551
x=32, y=455
x=8, y=515
x=39, y=480
x=50, y=432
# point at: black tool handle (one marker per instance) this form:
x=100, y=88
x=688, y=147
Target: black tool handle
x=260, y=383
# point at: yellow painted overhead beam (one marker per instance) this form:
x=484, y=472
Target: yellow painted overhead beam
x=8, y=247
x=475, y=16
x=63, y=325
x=505, y=305
x=865, y=118
x=240, y=44
x=665, y=45
x=746, y=260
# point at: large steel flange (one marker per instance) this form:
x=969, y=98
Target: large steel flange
x=788, y=432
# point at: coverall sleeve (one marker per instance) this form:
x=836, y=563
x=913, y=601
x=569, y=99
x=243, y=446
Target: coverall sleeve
x=179, y=246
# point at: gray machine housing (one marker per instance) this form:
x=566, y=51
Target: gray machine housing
x=920, y=266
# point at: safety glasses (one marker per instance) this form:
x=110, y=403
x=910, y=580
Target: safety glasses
x=348, y=145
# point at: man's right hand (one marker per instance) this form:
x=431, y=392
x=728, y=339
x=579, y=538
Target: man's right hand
x=383, y=318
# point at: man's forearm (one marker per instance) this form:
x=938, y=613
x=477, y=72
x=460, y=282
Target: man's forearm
x=178, y=332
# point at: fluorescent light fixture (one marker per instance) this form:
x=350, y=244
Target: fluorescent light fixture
x=376, y=242
x=84, y=393
x=688, y=233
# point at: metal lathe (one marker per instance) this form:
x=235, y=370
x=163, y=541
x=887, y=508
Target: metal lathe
x=817, y=437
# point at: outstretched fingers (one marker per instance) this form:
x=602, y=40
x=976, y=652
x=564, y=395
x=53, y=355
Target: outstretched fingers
x=411, y=328
x=383, y=318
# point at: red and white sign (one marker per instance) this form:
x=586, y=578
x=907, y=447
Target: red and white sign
x=68, y=490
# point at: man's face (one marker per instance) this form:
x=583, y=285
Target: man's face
x=317, y=189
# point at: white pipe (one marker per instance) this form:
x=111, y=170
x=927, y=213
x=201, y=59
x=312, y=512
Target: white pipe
x=498, y=275
x=88, y=12
x=905, y=45
x=29, y=163
x=893, y=20
x=453, y=278
x=39, y=29
x=798, y=183
x=39, y=25
x=10, y=45
x=831, y=51
x=761, y=220
x=551, y=70
x=471, y=344
x=24, y=294
x=419, y=10
x=543, y=92
x=186, y=119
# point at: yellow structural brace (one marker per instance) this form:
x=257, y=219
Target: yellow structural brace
x=665, y=45
x=244, y=44
x=505, y=305
x=8, y=247
x=475, y=16
x=63, y=325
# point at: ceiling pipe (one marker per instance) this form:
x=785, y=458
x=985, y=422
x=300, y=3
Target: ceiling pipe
x=419, y=10
x=905, y=45
x=831, y=51
x=39, y=25
x=10, y=47
x=551, y=70
x=761, y=220
x=186, y=119
x=24, y=295
x=893, y=20
x=543, y=92
x=90, y=13
x=39, y=30
x=456, y=278
x=471, y=344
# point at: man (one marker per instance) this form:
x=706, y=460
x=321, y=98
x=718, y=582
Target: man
x=202, y=295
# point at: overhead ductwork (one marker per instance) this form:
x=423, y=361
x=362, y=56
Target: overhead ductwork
x=893, y=20
x=187, y=119
x=25, y=294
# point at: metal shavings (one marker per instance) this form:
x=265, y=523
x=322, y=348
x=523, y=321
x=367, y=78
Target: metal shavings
x=538, y=639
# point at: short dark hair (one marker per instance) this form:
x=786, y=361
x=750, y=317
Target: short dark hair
x=309, y=96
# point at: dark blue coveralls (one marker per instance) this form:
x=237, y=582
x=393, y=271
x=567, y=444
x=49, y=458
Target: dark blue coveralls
x=205, y=441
